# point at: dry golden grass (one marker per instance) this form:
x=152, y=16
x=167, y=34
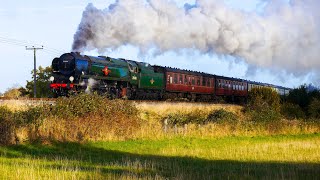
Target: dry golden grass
x=164, y=108
x=153, y=114
x=14, y=105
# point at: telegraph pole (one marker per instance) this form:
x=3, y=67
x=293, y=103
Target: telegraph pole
x=34, y=68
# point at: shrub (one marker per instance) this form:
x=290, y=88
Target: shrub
x=198, y=116
x=78, y=118
x=7, y=126
x=292, y=111
x=314, y=109
x=180, y=118
x=263, y=105
x=221, y=115
x=12, y=93
x=89, y=117
x=303, y=96
x=80, y=106
x=260, y=98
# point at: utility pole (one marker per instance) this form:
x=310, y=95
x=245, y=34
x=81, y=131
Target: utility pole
x=34, y=68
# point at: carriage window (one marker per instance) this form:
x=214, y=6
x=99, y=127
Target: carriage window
x=204, y=80
x=208, y=82
x=185, y=80
x=180, y=79
x=193, y=81
x=175, y=79
x=219, y=83
x=198, y=81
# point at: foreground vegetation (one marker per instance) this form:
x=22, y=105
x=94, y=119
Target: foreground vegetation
x=272, y=157
x=90, y=137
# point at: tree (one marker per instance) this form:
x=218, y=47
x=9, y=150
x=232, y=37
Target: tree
x=43, y=83
x=303, y=97
x=299, y=96
x=23, y=92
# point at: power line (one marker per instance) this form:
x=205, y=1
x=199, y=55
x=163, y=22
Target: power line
x=17, y=42
x=34, y=68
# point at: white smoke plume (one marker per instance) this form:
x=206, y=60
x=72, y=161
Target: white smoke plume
x=91, y=83
x=283, y=36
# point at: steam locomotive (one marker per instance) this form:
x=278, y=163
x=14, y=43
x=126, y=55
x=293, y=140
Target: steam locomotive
x=122, y=78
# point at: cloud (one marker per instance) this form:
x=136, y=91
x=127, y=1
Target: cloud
x=283, y=36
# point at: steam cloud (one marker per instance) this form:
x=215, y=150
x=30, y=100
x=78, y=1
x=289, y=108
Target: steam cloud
x=89, y=84
x=284, y=35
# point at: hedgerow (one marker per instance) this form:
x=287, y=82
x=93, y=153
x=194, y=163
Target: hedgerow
x=78, y=118
x=198, y=116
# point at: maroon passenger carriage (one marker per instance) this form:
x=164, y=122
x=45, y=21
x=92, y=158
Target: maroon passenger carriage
x=201, y=86
x=232, y=89
x=187, y=84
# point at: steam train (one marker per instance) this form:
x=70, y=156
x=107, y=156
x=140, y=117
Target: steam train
x=122, y=78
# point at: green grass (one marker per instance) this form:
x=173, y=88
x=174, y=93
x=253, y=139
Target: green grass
x=266, y=157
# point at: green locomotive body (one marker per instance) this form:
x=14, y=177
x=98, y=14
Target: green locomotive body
x=116, y=77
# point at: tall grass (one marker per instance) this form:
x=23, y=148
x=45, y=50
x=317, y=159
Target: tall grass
x=211, y=120
x=93, y=118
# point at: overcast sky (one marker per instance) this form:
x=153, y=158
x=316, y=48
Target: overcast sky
x=53, y=24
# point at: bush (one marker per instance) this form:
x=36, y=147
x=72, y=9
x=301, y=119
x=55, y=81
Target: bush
x=78, y=118
x=292, y=111
x=12, y=93
x=7, y=126
x=263, y=105
x=221, y=115
x=90, y=117
x=11, y=121
x=314, y=109
x=200, y=117
x=180, y=118
x=303, y=97
x=79, y=106
x=260, y=98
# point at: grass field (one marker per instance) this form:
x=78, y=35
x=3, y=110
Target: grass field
x=267, y=157
x=90, y=148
